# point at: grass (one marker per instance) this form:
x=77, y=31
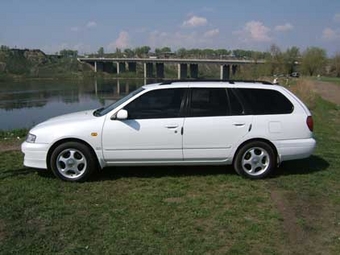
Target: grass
x=178, y=210
x=330, y=79
x=17, y=133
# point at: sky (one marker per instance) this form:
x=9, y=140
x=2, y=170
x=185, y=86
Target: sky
x=228, y=24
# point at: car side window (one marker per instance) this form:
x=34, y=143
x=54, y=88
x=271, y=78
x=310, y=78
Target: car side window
x=206, y=102
x=161, y=103
x=265, y=101
x=236, y=108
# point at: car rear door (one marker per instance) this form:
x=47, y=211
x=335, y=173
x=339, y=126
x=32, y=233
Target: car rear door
x=210, y=130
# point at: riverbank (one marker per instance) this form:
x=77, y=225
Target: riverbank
x=12, y=140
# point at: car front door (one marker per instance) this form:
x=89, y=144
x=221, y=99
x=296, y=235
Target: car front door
x=152, y=131
x=211, y=130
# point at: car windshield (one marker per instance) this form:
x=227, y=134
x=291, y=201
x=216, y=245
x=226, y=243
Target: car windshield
x=104, y=110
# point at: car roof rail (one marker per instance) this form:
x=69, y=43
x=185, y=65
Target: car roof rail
x=168, y=82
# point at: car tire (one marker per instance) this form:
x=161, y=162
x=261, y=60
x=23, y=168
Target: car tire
x=255, y=160
x=73, y=162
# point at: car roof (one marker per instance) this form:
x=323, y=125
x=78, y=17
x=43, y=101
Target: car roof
x=210, y=84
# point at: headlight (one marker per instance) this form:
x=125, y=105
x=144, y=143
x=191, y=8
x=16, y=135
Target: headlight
x=31, y=138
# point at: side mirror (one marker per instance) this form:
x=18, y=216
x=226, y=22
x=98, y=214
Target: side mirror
x=122, y=114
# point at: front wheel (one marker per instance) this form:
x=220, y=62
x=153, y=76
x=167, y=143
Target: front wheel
x=72, y=161
x=255, y=160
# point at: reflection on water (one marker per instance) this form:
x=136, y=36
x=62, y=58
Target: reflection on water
x=24, y=104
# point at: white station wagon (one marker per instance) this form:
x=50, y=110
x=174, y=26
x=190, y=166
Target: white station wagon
x=252, y=125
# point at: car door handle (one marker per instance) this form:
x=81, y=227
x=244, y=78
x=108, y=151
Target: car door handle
x=171, y=126
x=239, y=124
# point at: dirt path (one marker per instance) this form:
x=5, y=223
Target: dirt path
x=11, y=145
x=328, y=91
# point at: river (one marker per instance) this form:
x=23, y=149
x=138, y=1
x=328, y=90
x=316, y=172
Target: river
x=26, y=103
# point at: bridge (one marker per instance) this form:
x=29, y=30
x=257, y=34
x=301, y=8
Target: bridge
x=120, y=65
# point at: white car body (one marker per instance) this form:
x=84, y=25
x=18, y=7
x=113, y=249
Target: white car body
x=161, y=141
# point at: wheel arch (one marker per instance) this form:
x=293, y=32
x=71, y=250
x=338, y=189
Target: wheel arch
x=258, y=140
x=65, y=140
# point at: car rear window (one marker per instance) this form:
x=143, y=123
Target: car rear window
x=264, y=101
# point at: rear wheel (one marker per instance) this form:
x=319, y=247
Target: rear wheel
x=255, y=160
x=72, y=161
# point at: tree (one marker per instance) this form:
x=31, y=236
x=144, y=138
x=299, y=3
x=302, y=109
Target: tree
x=68, y=53
x=275, y=60
x=118, y=53
x=145, y=50
x=101, y=52
x=291, y=57
x=142, y=51
x=208, y=53
x=335, y=65
x=181, y=52
x=129, y=53
x=159, y=51
x=313, y=60
x=166, y=49
x=221, y=53
x=4, y=48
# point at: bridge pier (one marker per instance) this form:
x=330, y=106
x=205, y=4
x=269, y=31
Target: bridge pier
x=98, y=66
x=118, y=87
x=194, y=71
x=225, y=72
x=148, y=70
x=132, y=66
x=120, y=67
x=182, y=71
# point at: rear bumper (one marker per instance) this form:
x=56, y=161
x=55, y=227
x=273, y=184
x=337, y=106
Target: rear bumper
x=35, y=155
x=295, y=149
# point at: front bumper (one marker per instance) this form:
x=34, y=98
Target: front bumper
x=35, y=154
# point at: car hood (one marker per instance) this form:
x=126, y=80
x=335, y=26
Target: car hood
x=68, y=118
x=75, y=125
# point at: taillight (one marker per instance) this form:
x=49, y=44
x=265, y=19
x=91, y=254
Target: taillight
x=310, y=123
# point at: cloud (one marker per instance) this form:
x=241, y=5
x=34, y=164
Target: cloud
x=122, y=42
x=91, y=24
x=336, y=17
x=211, y=33
x=284, y=28
x=254, y=31
x=329, y=34
x=195, y=21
